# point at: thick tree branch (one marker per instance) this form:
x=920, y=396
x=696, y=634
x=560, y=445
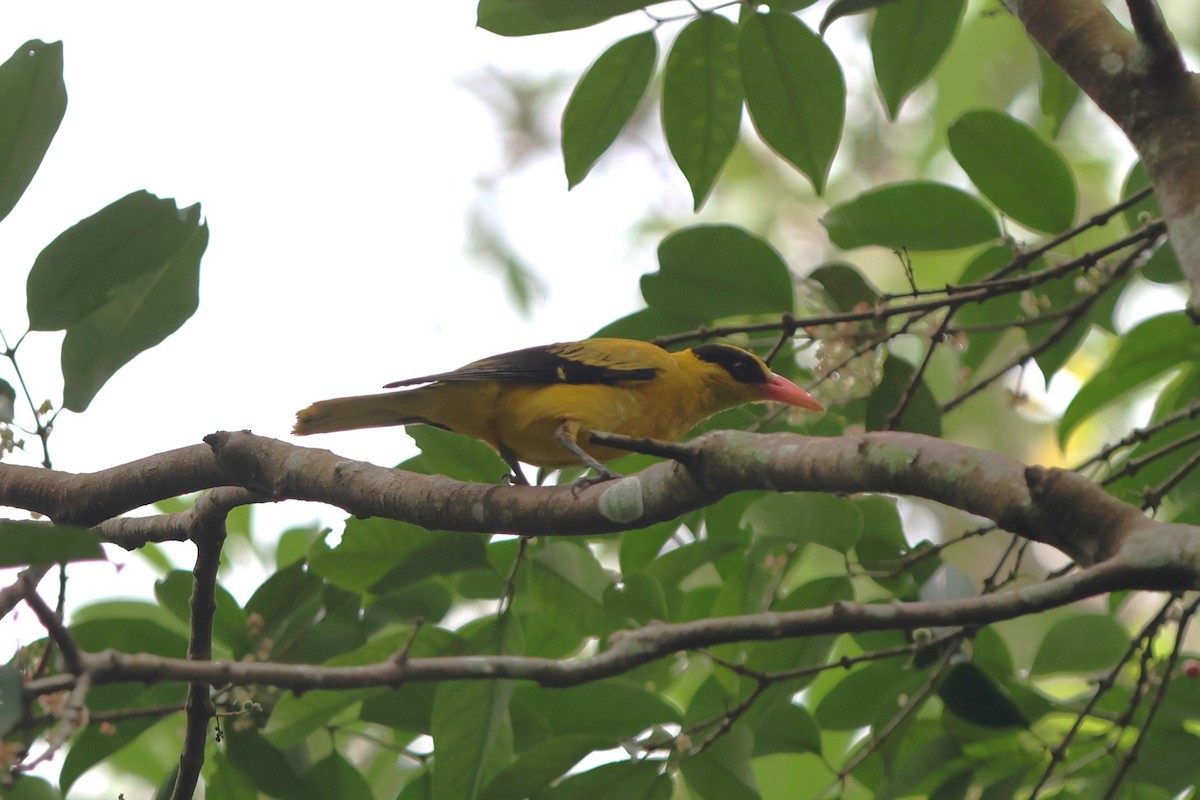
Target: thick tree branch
x=1142, y=83
x=1059, y=508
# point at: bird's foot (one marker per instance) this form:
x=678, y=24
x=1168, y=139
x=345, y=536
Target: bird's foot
x=600, y=475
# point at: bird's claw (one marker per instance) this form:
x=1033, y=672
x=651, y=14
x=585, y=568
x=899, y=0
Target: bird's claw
x=585, y=481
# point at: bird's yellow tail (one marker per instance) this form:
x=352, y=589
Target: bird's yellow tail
x=364, y=411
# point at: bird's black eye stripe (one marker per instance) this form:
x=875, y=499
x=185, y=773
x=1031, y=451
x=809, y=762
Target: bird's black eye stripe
x=744, y=367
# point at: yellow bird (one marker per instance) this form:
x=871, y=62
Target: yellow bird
x=540, y=405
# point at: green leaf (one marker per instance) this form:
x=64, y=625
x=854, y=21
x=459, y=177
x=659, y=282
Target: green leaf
x=1163, y=266
x=93, y=746
x=34, y=99
x=866, y=695
x=91, y=262
x=1057, y=93
x=454, y=455
x=382, y=555
x=997, y=312
x=806, y=650
x=526, y=17
x=568, y=584
x=1083, y=643
x=845, y=287
x=539, y=766
x=921, y=415
x=722, y=771
x=27, y=787
x=294, y=716
x=627, y=780
x=784, y=727
x=612, y=708
x=604, y=100
x=702, y=100
x=972, y=695
x=8, y=397
x=794, y=91
x=334, y=777
x=472, y=734
x=119, y=282
x=907, y=41
x=1147, y=352
x=265, y=765
x=845, y=8
x=710, y=272
x=12, y=687
x=917, y=215
x=803, y=517
x=24, y=543
x=1024, y=175
x=227, y=781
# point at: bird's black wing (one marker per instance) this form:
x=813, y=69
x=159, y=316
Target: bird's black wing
x=590, y=361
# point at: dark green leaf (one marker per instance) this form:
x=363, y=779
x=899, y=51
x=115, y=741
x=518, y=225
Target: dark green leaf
x=803, y=517
x=34, y=100
x=845, y=8
x=447, y=453
x=27, y=787
x=921, y=415
x=334, y=777
x=613, y=708
x=866, y=695
x=473, y=736
x=907, y=41
x=794, y=91
x=702, y=100
x=8, y=396
x=971, y=694
x=266, y=766
x=918, y=215
x=227, y=781
x=569, y=584
x=604, y=100
x=94, y=746
x=785, y=727
x=640, y=597
x=1056, y=92
x=722, y=770
x=1149, y=351
x=383, y=555
x=12, y=687
x=1016, y=169
x=294, y=717
x=1083, y=643
x=1163, y=266
x=846, y=288
x=526, y=17
x=804, y=651
x=91, y=262
x=710, y=272
x=994, y=314
x=119, y=282
x=24, y=543
x=628, y=780
x=536, y=768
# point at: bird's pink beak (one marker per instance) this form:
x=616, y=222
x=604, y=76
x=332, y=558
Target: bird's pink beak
x=781, y=390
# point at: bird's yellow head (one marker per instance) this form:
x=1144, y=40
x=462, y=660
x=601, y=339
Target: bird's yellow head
x=736, y=376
